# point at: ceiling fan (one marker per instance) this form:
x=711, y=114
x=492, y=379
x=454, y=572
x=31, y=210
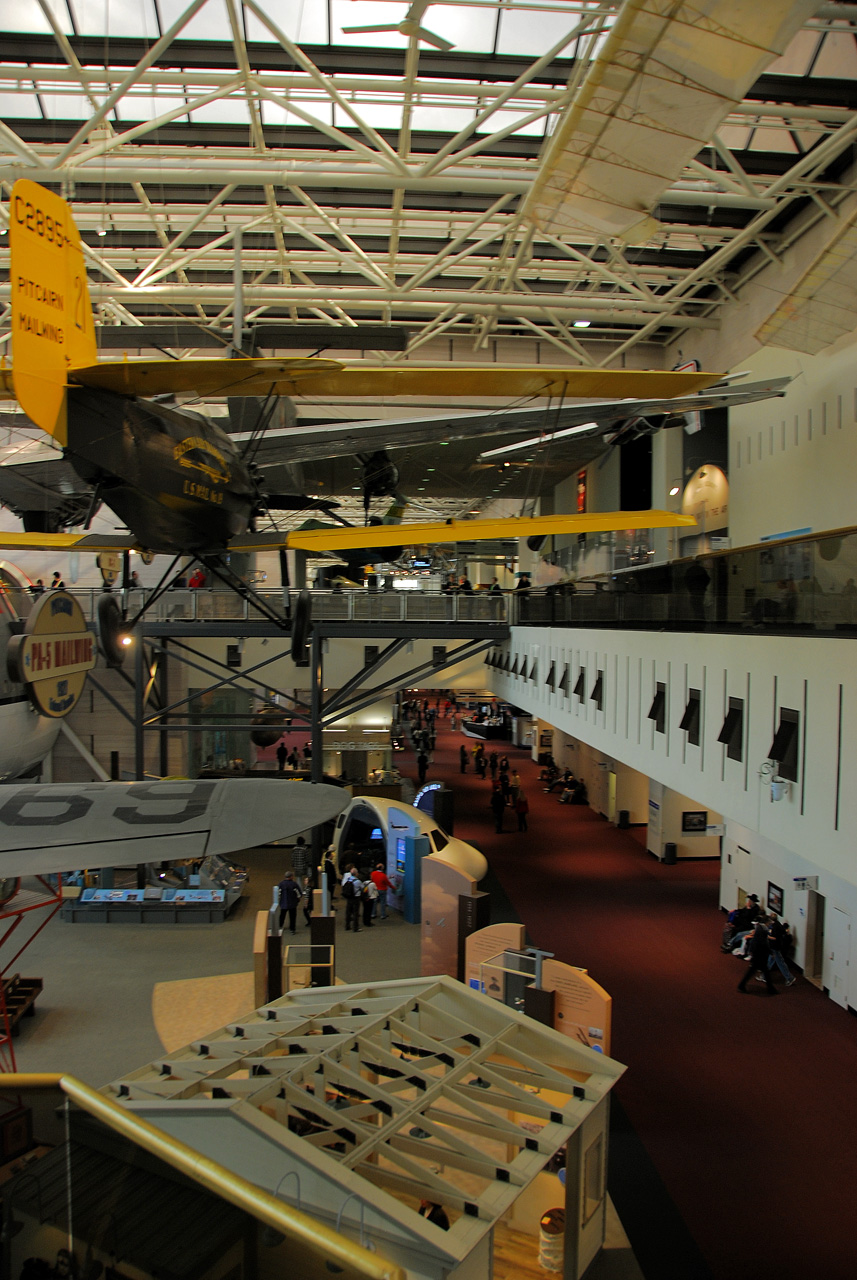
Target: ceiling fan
x=411, y=25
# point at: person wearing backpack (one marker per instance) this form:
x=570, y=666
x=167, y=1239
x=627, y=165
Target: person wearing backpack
x=351, y=888
x=370, y=897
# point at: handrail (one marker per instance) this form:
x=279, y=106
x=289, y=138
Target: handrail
x=330, y=1245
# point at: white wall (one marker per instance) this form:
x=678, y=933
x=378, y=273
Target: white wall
x=792, y=460
x=811, y=831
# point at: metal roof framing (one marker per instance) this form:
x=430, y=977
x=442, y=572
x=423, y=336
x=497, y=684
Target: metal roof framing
x=345, y=222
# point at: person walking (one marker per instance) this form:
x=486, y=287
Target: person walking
x=462, y=757
x=282, y=756
x=498, y=807
x=309, y=896
x=290, y=896
x=514, y=787
x=492, y=765
x=329, y=869
x=759, y=953
x=352, y=891
x=301, y=862
x=422, y=766
x=779, y=941
x=522, y=808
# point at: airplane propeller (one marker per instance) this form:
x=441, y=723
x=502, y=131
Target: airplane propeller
x=410, y=26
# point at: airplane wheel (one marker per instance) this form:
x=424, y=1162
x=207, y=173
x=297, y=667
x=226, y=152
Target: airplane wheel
x=111, y=626
x=8, y=888
x=301, y=624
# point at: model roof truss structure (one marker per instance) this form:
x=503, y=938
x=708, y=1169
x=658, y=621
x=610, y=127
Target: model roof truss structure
x=421, y=1088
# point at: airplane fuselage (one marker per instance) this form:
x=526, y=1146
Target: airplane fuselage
x=173, y=477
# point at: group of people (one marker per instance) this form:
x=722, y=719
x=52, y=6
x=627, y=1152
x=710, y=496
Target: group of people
x=506, y=788
x=291, y=758
x=363, y=887
x=572, y=790
x=764, y=941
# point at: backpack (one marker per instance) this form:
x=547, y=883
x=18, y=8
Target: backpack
x=349, y=888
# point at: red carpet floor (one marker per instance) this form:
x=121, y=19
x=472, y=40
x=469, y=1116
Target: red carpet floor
x=746, y=1104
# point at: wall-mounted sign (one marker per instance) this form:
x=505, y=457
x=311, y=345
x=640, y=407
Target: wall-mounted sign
x=54, y=654
x=802, y=883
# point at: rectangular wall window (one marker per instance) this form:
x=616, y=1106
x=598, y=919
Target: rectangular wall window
x=692, y=716
x=658, y=709
x=785, y=743
x=732, y=733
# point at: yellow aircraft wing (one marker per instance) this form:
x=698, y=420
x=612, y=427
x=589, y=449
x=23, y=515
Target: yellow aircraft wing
x=403, y=535
x=376, y=535
x=69, y=542
x=246, y=377
x=316, y=377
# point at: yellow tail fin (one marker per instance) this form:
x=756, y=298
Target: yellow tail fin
x=52, y=327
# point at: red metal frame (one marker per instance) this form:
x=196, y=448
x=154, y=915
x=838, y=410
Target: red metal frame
x=15, y=915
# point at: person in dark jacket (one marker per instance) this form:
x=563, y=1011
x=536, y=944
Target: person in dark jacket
x=290, y=896
x=759, y=954
x=744, y=923
x=498, y=806
x=462, y=756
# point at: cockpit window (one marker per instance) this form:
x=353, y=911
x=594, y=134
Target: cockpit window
x=438, y=839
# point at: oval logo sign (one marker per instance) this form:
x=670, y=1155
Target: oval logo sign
x=54, y=654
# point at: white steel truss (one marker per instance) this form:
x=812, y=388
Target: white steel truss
x=358, y=181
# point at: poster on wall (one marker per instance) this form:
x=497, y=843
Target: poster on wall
x=694, y=822
x=775, y=898
x=582, y=1010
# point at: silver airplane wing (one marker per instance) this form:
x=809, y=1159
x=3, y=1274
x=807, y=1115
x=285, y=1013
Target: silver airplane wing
x=314, y=443
x=65, y=826
x=567, y=439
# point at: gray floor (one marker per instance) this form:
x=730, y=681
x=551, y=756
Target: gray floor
x=94, y=1018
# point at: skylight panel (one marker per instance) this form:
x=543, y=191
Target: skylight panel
x=274, y=114
x=26, y=15
x=116, y=18
x=528, y=32
x=209, y=23
x=67, y=106
x=798, y=57
x=233, y=110
x=773, y=138
x=735, y=137
x=502, y=119
x=381, y=115
x=304, y=21
x=19, y=106
x=440, y=119
x=837, y=57
x=146, y=105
